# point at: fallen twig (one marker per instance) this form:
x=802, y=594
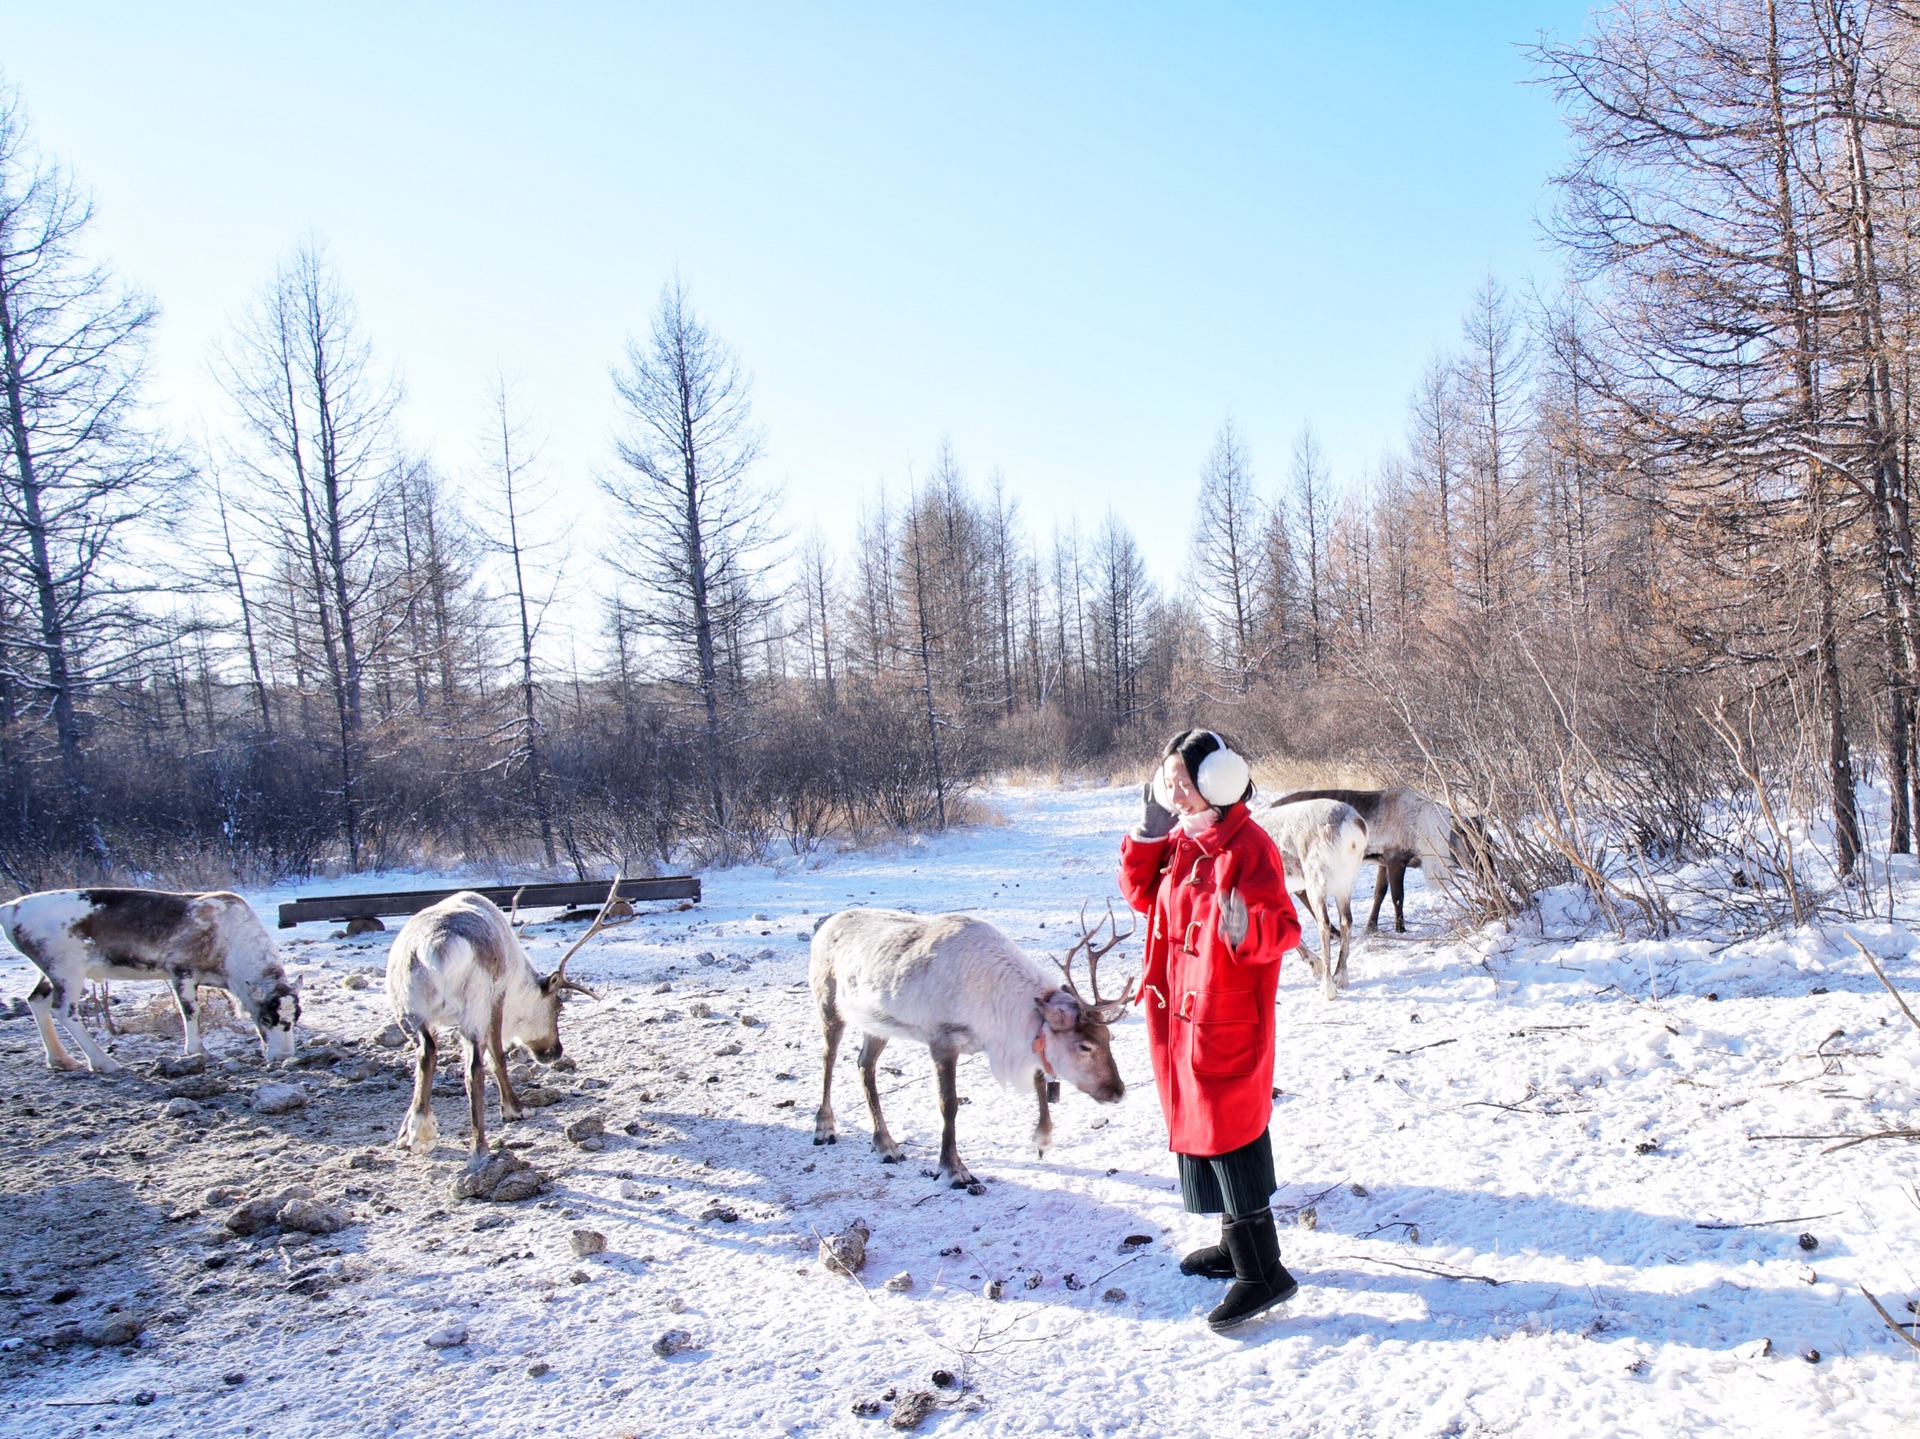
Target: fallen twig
x=1418, y=1047
x=1881, y=975
x=1311, y=1200
x=1422, y=1269
x=1115, y=1270
x=1763, y=1223
x=1880, y=1309
x=1545, y=1028
x=1849, y=1139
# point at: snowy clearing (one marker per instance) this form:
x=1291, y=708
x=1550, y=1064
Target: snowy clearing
x=1520, y=1197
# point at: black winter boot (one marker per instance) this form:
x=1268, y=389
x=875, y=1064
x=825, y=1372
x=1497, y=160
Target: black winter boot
x=1260, y=1280
x=1213, y=1262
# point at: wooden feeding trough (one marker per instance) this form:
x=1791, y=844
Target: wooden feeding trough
x=588, y=896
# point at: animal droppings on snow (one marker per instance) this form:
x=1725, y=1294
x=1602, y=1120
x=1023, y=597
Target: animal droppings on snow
x=912, y=1409
x=1114, y=1296
x=538, y=1369
x=450, y=1335
x=995, y=1289
x=1134, y=1241
x=674, y=1341
x=725, y=1213
x=1807, y=1241
x=865, y=1408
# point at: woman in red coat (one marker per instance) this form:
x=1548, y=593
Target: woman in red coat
x=1213, y=884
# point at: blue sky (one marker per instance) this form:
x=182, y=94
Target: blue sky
x=1072, y=238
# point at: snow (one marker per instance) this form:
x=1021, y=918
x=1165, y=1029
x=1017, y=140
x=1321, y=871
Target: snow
x=1569, y=1150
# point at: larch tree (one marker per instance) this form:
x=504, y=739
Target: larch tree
x=79, y=464
x=690, y=525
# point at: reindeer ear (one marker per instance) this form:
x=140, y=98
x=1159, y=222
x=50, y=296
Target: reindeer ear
x=1061, y=1009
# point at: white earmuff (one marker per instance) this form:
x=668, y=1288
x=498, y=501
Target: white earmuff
x=1223, y=776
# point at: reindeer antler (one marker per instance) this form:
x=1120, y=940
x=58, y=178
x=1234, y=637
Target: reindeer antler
x=600, y=922
x=514, y=910
x=1109, y=1009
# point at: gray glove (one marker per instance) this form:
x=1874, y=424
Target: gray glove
x=1233, y=918
x=1155, y=819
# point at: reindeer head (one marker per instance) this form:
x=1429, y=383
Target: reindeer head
x=1075, y=1034
x=534, y=1020
x=274, y=1007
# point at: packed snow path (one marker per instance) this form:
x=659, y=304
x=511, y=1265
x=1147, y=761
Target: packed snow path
x=1511, y=1187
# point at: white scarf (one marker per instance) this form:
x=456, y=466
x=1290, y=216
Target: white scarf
x=1200, y=821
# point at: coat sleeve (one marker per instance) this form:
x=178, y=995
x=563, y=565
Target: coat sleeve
x=1273, y=926
x=1141, y=861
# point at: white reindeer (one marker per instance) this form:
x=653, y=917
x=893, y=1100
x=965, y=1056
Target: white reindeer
x=959, y=986
x=1405, y=830
x=1322, y=843
x=188, y=940
x=459, y=964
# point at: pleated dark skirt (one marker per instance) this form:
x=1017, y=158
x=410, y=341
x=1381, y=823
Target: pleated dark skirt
x=1238, y=1182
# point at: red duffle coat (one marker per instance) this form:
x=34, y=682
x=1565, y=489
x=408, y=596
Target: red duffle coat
x=1209, y=1005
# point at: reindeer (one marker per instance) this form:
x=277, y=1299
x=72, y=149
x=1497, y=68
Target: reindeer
x=188, y=940
x=459, y=963
x=959, y=986
x=1404, y=829
x=1321, y=842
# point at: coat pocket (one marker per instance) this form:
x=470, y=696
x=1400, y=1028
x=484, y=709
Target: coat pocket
x=1230, y=1034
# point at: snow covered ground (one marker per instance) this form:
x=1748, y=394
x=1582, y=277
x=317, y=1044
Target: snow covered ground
x=1521, y=1197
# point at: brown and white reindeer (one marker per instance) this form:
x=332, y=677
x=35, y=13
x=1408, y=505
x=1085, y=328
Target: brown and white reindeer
x=1405, y=830
x=960, y=986
x=190, y=941
x=458, y=964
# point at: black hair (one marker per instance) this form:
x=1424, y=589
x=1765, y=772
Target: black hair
x=1194, y=745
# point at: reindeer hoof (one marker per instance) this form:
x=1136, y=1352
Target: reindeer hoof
x=891, y=1158
x=819, y=1139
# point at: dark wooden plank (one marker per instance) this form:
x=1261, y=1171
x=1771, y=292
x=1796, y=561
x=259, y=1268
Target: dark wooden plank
x=532, y=896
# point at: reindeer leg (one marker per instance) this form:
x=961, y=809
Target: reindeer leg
x=1399, y=881
x=833, y=1026
x=476, y=1099
x=884, y=1143
x=945, y=1061
x=1379, y=894
x=1346, y=934
x=40, y=1001
x=418, y=1131
x=497, y=1056
x=1329, y=984
x=1042, y=1131
x=186, y=994
x=98, y=1060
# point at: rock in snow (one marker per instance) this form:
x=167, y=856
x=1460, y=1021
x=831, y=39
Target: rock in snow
x=450, y=1335
x=278, y=1099
x=846, y=1253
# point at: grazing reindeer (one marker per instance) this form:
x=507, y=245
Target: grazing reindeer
x=1322, y=842
x=959, y=986
x=459, y=963
x=1404, y=829
x=188, y=940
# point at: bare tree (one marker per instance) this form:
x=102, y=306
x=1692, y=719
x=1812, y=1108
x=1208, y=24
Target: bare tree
x=1226, y=543
x=517, y=500
x=1313, y=522
x=691, y=525
x=78, y=465
x=316, y=436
